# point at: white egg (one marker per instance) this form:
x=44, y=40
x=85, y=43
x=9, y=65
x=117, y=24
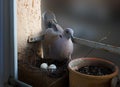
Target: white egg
x=52, y=67
x=44, y=66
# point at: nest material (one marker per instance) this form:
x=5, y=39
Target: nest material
x=33, y=75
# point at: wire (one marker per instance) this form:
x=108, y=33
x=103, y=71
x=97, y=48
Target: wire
x=92, y=49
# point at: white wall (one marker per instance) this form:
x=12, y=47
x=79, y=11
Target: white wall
x=28, y=24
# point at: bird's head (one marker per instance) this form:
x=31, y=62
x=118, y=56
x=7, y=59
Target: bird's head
x=69, y=33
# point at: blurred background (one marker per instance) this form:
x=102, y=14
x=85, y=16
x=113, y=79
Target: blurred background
x=90, y=19
x=95, y=20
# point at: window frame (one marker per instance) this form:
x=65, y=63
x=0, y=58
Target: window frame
x=8, y=41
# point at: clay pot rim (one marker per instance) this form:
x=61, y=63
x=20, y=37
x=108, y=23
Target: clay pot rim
x=93, y=76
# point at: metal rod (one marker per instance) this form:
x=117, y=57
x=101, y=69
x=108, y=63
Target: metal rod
x=97, y=45
x=32, y=39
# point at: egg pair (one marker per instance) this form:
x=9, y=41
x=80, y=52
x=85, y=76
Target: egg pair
x=51, y=67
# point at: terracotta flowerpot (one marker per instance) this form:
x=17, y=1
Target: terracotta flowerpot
x=77, y=79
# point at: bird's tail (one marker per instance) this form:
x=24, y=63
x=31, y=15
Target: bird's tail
x=49, y=19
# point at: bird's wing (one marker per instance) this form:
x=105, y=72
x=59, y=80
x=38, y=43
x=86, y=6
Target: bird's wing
x=50, y=37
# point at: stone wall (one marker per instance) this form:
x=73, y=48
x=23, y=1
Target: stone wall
x=28, y=23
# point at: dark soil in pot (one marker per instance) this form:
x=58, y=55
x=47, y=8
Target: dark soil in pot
x=95, y=70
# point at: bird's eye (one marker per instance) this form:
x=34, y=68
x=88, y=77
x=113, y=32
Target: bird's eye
x=49, y=25
x=67, y=32
x=60, y=36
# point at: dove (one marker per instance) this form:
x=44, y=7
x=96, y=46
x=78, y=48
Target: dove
x=50, y=35
x=58, y=46
x=63, y=47
x=50, y=21
x=57, y=43
x=48, y=38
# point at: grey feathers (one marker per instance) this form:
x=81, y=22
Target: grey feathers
x=57, y=43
